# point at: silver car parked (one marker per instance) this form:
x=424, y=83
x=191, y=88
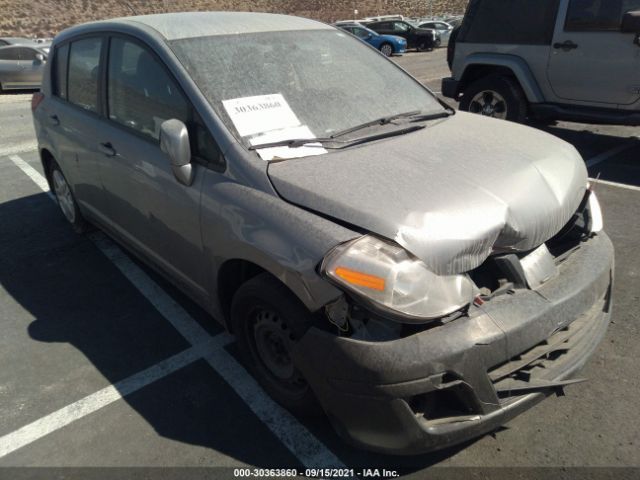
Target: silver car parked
x=21, y=66
x=420, y=275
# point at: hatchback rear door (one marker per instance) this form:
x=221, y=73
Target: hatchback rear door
x=72, y=119
x=591, y=60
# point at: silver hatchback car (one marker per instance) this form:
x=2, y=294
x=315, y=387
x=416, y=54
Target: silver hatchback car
x=420, y=275
x=21, y=66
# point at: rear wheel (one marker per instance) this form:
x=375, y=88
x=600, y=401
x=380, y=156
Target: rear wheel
x=495, y=96
x=424, y=46
x=65, y=199
x=268, y=320
x=386, y=49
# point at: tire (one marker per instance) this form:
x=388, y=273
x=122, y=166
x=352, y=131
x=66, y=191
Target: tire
x=267, y=320
x=496, y=96
x=424, y=47
x=386, y=49
x=65, y=198
x=438, y=43
x=451, y=46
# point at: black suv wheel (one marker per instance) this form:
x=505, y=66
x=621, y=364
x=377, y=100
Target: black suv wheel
x=496, y=96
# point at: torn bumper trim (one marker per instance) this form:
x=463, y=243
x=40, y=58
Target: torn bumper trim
x=458, y=381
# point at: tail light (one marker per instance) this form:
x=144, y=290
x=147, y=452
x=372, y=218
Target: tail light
x=36, y=100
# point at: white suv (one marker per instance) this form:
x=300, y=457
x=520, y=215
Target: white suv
x=576, y=60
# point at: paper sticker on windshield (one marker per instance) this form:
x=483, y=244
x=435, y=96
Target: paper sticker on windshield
x=295, y=133
x=259, y=114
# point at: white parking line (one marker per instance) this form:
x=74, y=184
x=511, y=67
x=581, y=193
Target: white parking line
x=91, y=403
x=302, y=443
x=23, y=147
x=610, y=153
x=615, y=184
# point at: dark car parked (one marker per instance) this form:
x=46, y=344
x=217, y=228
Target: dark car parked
x=421, y=39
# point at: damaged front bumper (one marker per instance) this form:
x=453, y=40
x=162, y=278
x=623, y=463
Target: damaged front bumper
x=460, y=380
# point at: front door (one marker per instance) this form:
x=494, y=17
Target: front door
x=158, y=216
x=31, y=68
x=591, y=60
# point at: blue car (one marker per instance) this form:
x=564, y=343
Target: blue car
x=387, y=44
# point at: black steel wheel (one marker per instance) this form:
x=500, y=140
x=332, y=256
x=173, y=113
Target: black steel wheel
x=268, y=320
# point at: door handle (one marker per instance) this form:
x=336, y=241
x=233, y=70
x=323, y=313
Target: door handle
x=566, y=46
x=54, y=120
x=107, y=149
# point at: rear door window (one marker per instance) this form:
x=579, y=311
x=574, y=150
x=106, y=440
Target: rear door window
x=82, y=83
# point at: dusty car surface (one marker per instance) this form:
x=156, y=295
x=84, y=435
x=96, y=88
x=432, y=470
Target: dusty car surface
x=273, y=168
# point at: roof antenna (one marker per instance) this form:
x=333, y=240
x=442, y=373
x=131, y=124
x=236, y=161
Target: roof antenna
x=129, y=6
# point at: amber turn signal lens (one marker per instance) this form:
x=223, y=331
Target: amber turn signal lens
x=361, y=279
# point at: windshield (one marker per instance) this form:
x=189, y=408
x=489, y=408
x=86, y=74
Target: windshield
x=313, y=83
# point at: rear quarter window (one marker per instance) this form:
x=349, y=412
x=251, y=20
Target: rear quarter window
x=518, y=22
x=9, y=54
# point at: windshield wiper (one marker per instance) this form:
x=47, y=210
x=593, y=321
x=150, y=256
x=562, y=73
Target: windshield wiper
x=414, y=115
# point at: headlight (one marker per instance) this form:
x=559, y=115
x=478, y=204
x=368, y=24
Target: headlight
x=388, y=276
x=596, y=213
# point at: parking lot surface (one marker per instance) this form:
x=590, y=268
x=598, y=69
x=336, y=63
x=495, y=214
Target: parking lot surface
x=105, y=364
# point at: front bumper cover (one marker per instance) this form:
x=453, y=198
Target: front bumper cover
x=450, y=87
x=454, y=382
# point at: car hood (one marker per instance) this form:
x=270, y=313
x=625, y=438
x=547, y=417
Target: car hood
x=450, y=194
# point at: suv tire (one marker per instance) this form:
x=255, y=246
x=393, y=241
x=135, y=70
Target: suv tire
x=495, y=96
x=267, y=320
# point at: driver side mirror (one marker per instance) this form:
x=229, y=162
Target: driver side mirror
x=174, y=141
x=40, y=58
x=631, y=22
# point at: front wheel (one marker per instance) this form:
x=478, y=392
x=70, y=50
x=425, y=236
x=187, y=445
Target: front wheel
x=495, y=96
x=268, y=320
x=386, y=49
x=424, y=47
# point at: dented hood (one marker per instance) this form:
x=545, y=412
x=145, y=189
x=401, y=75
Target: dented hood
x=450, y=194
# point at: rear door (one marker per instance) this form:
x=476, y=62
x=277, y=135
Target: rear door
x=591, y=60
x=158, y=216
x=73, y=119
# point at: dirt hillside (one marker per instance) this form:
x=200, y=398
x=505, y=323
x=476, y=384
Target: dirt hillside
x=42, y=18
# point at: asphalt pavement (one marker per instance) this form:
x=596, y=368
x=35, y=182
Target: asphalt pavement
x=105, y=364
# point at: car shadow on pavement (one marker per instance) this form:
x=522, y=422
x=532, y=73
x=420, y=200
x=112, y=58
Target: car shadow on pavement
x=63, y=291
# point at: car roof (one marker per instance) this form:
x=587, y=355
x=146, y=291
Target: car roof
x=18, y=40
x=174, y=26
x=35, y=46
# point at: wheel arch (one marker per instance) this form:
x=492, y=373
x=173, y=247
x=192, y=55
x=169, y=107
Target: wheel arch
x=47, y=158
x=235, y=272
x=480, y=65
